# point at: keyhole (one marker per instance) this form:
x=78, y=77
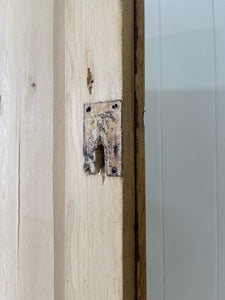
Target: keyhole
x=100, y=158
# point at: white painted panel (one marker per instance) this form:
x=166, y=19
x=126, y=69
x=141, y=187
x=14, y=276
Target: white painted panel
x=219, y=19
x=184, y=16
x=185, y=149
x=153, y=187
x=189, y=198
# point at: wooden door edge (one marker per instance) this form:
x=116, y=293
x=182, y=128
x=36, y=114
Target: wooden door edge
x=139, y=106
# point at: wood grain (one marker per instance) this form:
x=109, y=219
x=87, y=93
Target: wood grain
x=33, y=48
x=63, y=234
x=9, y=157
x=140, y=151
x=99, y=220
x=59, y=149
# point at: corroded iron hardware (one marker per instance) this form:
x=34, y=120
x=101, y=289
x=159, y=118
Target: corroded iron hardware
x=103, y=128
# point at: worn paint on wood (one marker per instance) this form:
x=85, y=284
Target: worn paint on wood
x=103, y=125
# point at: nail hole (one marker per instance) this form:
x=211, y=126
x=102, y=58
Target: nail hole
x=114, y=106
x=33, y=84
x=87, y=169
x=88, y=109
x=114, y=169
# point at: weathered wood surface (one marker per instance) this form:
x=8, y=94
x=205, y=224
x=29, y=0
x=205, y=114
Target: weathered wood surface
x=99, y=214
x=59, y=149
x=34, y=70
x=63, y=234
x=26, y=200
x=140, y=150
x=9, y=157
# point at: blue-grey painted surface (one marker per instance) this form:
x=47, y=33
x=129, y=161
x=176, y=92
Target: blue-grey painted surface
x=185, y=149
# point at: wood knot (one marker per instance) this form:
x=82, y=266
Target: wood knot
x=90, y=80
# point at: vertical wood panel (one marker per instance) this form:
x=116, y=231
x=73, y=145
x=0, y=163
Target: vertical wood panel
x=95, y=248
x=33, y=28
x=9, y=114
x=59, y=149
x=41, y=151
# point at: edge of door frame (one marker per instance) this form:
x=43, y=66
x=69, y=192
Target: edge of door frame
x=139, y=106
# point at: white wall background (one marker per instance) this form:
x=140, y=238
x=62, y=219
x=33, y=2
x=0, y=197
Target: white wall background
x=185, y=149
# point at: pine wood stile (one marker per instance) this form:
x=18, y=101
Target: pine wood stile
x=64, y=234
x=26, y=202
x=94, y=210
x=9, y=158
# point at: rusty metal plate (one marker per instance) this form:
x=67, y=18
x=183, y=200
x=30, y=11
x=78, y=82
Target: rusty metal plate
x=103, y=125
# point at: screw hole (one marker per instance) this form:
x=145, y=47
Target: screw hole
x=114, y=170
x=114, y=106
x=88, y=109
x=87, y=169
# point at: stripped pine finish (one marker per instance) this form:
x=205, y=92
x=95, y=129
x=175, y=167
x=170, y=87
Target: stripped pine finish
x=26, y=202
x=99, y=217
x=9, y=158
x=65, y=234
x=34, y=69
